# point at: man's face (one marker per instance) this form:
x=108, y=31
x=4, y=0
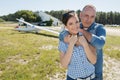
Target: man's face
x=87, y=17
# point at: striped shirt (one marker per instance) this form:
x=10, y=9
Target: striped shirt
x=79, y=66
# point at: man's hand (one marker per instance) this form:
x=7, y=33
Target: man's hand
x=67, y=38
x=86, y=34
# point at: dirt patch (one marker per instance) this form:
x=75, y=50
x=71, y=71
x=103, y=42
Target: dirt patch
x=113, y=31
x=111, y=68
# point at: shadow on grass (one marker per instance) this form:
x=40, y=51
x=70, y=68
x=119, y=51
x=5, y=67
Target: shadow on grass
x=43, y=34
x=47, y=35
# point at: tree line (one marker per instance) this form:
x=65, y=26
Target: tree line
x=101, y=17
x=30, y=16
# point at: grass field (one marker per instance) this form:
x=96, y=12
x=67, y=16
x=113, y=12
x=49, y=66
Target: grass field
x=112, y=46
x=29, y=56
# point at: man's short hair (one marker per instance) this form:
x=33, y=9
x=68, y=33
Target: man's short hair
x=89, y=6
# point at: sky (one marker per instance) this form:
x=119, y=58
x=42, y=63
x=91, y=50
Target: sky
x=12, y=6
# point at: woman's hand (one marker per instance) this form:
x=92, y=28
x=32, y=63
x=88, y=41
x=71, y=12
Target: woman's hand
x=82, y=40
x=73, y=39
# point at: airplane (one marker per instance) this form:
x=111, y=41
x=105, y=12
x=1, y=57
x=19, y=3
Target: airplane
x=30, y=27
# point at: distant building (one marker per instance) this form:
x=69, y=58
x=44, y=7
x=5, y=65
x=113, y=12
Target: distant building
x=47, y=17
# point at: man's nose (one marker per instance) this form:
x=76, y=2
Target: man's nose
x=88, y=19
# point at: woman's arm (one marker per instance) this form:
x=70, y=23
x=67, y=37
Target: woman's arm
x=66, y=57
x=89, y=50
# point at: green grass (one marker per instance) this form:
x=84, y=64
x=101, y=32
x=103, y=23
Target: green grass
x=29, y=56
x=113, y=27
x=112, y=46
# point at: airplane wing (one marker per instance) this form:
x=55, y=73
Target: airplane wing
x=43, y=28
x=24, y=22
x=37, y=27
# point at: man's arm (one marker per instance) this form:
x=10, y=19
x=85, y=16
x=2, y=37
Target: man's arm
x=63, y=34
x=98, y=39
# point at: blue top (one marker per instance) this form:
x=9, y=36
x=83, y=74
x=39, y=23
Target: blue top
x=98, y=35
x=98, y=40
x=79, y=65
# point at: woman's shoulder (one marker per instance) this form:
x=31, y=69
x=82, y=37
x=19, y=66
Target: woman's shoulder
x=62, y=46
x=62, y=43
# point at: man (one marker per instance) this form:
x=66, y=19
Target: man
x=95, y=35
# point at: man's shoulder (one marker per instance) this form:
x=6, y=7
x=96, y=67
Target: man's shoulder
x=63, y=34
x=64, y=31
x=98, y=25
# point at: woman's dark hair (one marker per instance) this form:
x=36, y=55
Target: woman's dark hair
x=67, y=16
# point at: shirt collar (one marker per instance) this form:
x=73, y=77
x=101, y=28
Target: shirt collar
x=91, y=26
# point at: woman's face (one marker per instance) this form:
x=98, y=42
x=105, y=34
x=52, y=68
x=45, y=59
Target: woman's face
x=73, y=25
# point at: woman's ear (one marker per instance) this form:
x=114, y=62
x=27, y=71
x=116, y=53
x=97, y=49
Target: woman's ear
x=66, y=27
x=80, y=15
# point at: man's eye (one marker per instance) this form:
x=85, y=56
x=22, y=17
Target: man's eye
x=86, y=15
x=92, y=16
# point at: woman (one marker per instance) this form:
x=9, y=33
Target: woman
x=78, y=59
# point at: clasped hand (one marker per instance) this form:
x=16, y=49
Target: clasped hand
x=76, y=40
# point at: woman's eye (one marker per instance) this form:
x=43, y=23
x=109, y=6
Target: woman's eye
x=70, y=23
x=77, y=21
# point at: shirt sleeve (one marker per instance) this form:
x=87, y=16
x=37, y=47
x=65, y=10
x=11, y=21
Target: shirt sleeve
x=98, y=39
x=63, y=34
x=62, y=47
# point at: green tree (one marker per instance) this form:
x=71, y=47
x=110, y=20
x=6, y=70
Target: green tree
x=49, y=23
x=78, y=13
x=1, y=20
x=27, y=15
